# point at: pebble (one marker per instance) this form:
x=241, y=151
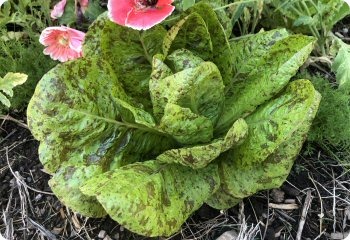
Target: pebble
x=102, y=234
x=229, y=235
x=107, y=238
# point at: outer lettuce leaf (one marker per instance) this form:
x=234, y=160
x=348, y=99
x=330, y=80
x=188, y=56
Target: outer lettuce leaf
x=130, y=53
x=92, y=41
x=277, y=132
x=270, y=75
x=66, y=183
x=79, y=111
x=250, y=48
x=152, y=198
x=74, y=113
x=200, y=89
x=200, y=156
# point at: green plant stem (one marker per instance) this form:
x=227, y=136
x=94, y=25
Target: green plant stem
x=233, y=4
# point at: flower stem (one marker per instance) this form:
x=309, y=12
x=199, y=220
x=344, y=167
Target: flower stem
x=233, y=4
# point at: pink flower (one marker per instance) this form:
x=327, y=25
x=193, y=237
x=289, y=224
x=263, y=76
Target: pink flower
x=84, y=4
x=139, y=14
x=58, y=9
x=62, y=43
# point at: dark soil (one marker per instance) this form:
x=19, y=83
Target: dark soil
x=30, y=211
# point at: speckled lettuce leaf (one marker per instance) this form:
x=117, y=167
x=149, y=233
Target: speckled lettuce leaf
x=222, y=54
x=92, y=41
x=277, y=131
x=152, y=198
x=74, y=114
x=270, y=75
x=200, y=89
x=130, y=53
x=201, y=33
x=249, y=49
x=65, y=185
x=78, y=112
x=200, y=156
x=182, y=59
x=137, y=145
x=189, y=33
x=185, y=126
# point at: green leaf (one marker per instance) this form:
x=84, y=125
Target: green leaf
x=69, y=16
x=249, y=49
x=92, y=41
x=222, y=54
x=270, y=75
x=186, y=4
x=130, y=54
x=151, y=198
x=341, y=65
x=201, y=33
x=277, y=131
x=182, y=59
x=189, y=33
x=66, y=183
x=78, y=111
x=322, y=14
x=7, y=83
x=185, y=126
x=200, y=89
x=94, y=10
x=200, y=156
x=137, y=146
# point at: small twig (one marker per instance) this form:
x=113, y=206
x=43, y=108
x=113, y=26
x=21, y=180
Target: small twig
x=9, y=118
x=306, y=206
x=268, y=215
x=18, y=177
x=284, y=206
x=334, y=203
x=45, y=232
x=321, y=215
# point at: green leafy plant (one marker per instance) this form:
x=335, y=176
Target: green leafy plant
x=20, y=51
x=331, y=126
x=7, y=83
x=150, y=125
x=316, y=17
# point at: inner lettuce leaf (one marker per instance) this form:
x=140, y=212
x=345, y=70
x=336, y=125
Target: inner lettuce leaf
x=130, y=54
x=199, y=156
x=201, y=33
x=199, y=88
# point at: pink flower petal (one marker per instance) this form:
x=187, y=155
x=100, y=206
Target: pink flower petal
x=164, y=2
x=148, y=18
x=137, y=14
x=58, y=9
x=62, y=43
x=118, y=10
